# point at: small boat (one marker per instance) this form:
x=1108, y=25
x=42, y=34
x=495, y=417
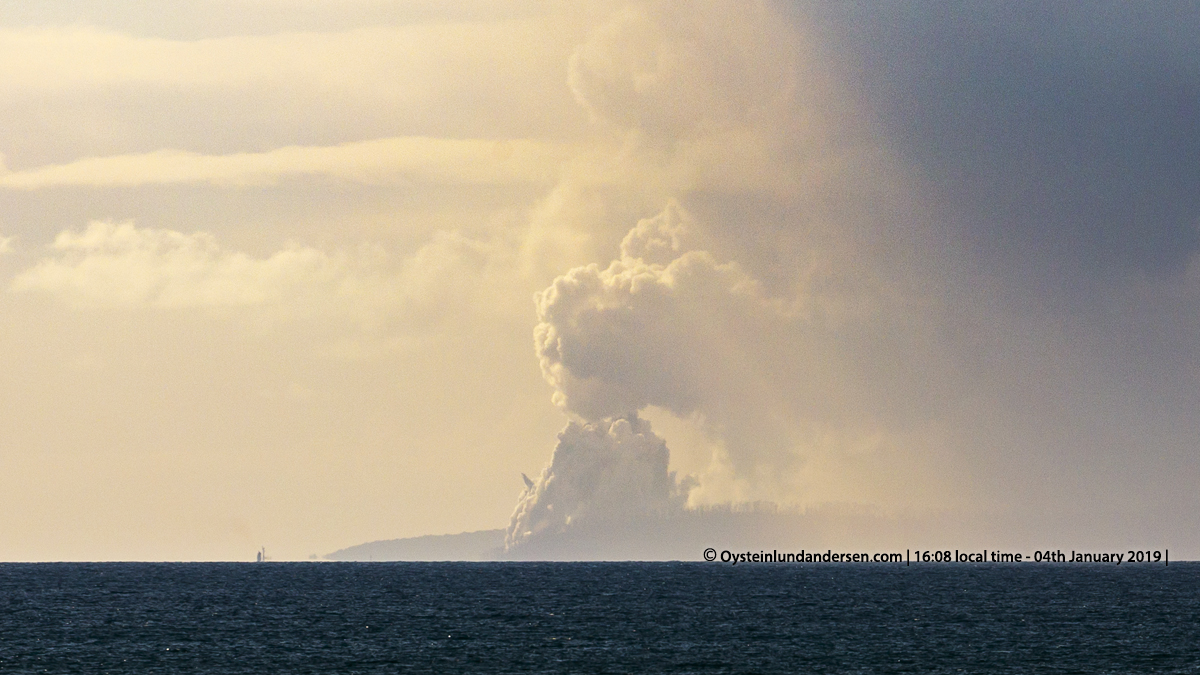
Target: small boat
x=262, y=555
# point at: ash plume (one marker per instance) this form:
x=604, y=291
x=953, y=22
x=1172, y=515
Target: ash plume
x=608, y=474
x=770, y=315
x=612, y=342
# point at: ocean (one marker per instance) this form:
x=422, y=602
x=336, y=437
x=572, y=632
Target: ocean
x=335, y=618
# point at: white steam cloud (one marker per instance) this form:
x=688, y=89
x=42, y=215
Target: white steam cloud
x=609, y=340
x=657, y=327
x=612, y=473
x=708, y=105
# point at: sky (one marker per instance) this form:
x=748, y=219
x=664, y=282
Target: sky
x=304, y=274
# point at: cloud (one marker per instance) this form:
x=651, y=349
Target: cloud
x=779, y=397
x=637, y=333
x=799, y=323
x=337, y=80
x=365, y=290
x=665, y=326
x=57, y=58
x=118, y=265
x=439, y=160
x=1065, y=144
x=738, y=314
x=669, y=70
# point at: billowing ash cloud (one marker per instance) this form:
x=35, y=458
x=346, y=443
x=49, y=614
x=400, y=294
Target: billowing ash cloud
x=650, y=329
x=736, y=321
x=612, y=473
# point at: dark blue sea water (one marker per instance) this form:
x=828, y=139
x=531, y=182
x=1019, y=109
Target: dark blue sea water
x=598, y=618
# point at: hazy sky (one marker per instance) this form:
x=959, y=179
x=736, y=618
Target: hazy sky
x=310, y=273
